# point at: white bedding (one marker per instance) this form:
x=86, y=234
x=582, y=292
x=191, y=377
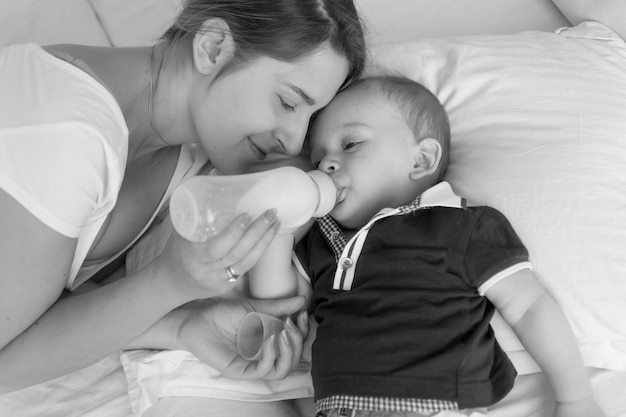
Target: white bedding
x=96, y=391
x=102, y=389
x=538, y=133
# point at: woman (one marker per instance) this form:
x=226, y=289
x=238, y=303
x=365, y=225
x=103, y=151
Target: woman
x=89, y=143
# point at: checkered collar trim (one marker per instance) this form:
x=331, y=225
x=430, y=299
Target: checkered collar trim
x=440, y=195
x=347, y=253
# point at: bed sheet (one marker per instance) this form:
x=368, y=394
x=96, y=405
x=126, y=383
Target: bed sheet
x=100, y=390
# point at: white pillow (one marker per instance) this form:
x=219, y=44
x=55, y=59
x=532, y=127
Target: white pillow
x=539, y=132
x=50, y=22
x=612, y=13
x=136, y=22
x=403, y=20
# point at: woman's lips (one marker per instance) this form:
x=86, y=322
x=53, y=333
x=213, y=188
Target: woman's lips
x=257, y=151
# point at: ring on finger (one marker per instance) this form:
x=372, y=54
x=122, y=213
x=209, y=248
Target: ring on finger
x=232, y=275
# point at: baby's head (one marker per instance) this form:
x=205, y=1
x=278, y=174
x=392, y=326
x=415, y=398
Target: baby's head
x=384, y=140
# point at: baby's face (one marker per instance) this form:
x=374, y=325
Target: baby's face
x=361, y=140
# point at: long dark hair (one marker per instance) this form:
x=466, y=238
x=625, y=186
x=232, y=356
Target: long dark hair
x=281, y=29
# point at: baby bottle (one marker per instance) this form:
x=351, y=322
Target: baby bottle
x=202, y=206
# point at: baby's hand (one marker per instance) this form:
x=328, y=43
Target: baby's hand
x=586, y=407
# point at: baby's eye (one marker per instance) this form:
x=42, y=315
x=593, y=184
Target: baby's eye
x=286, y=105
x=350, y=144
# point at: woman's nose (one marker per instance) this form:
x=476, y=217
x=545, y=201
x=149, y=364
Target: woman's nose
x=291, y=138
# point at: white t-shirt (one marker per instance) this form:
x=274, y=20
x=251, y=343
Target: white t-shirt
x=63, y=144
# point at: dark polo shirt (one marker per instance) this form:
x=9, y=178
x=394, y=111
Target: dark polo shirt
x=412, y=323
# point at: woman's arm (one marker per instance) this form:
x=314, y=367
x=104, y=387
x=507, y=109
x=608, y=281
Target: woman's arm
x=42, y=336
x=543, y=329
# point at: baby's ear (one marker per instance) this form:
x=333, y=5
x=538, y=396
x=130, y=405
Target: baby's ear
x=213, y=46
x=426, y=155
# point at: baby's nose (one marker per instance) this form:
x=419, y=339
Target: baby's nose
x=328, y=165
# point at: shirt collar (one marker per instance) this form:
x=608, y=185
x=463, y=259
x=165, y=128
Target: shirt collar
x=439, y=195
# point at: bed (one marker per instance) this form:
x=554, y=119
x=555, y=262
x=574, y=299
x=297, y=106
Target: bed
x=536, y=92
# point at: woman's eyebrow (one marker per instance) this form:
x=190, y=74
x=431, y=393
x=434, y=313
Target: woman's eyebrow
x=307, y=99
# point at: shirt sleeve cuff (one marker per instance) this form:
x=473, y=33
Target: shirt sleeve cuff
x=299, y=267
x=501, y=275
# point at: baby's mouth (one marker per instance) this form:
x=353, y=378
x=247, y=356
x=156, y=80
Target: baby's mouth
x=341, y=194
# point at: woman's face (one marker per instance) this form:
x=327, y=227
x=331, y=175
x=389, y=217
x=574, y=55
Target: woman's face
x=264, y=107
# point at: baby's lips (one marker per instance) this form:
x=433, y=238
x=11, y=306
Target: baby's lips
x=340, y=194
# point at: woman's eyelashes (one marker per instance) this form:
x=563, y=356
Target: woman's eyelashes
x=285, y=105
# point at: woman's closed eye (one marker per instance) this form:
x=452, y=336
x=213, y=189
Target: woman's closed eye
x=285, y=105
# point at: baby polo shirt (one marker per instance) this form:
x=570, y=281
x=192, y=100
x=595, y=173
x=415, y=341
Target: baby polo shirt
x=403, y=323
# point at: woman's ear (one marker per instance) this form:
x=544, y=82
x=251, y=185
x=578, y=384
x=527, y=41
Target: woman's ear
x=426, y=158
x=213, y=46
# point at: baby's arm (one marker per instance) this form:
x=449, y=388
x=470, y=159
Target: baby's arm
x=543, y=329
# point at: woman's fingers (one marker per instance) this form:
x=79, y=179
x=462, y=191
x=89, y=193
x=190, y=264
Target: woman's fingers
x=242, y=228
x=296, y=333
x=286, y=355
x=248, y=250
x=276, y=359
x=264, y=367
x=296, y=342
x=242, y=242
x=216, y=264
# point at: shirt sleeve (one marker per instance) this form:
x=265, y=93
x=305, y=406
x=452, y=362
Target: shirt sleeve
x=493, y=251
x=56, y=171
x=302, y=255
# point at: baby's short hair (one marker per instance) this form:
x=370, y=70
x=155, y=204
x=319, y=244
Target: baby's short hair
x=420, y=108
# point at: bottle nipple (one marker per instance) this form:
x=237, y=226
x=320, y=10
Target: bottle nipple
x=327, y=192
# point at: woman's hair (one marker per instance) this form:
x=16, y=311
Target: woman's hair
x=281, y=29
x=420, y=108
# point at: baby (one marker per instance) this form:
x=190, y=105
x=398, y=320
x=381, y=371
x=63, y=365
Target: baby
x=405, y=277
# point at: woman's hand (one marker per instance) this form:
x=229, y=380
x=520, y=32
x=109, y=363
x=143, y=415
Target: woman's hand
x=199, y=270
x=210, y=327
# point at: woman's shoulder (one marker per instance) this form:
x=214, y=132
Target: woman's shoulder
x=57, y=121
x=42, y=92
x=83, y=57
